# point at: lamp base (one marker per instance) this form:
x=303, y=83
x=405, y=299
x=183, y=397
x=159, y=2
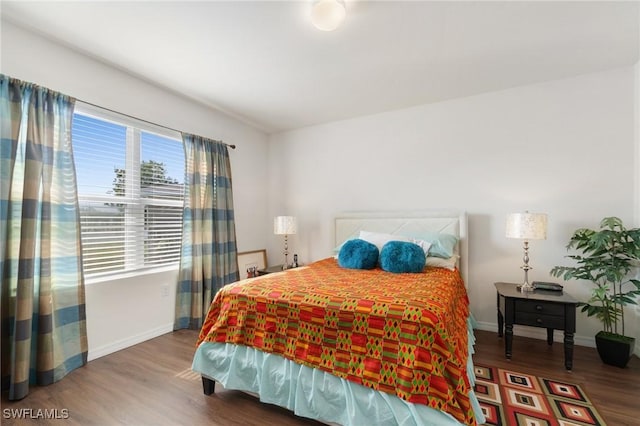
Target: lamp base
x=286, y=254
x=525, y=288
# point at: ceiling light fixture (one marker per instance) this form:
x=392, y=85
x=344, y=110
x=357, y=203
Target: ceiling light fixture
x=327, y=15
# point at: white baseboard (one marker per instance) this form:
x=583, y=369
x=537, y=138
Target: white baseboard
x=532, y=332
x=110, y=348
x=539, y=333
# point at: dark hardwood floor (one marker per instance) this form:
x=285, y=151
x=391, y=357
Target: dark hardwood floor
x=614, y=391
x=151, y=384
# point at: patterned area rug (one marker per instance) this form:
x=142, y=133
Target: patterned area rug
x=511, y=398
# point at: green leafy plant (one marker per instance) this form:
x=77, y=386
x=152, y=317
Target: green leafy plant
x=606, y=258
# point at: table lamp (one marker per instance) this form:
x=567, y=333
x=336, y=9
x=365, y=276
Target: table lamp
x=285, y=225
x=527, y=226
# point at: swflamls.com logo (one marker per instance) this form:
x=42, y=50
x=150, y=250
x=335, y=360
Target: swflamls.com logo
x=35, y=413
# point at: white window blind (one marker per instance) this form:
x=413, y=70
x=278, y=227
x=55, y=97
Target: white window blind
x=130, y=188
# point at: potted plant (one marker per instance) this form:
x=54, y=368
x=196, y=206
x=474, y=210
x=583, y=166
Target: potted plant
x=606, y=258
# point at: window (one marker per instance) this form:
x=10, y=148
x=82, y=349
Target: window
x=130, y=188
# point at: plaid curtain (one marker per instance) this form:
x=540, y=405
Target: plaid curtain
x=208, y=258
x=43, y=304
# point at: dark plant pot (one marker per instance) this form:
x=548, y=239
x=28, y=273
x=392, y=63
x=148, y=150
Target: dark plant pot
x=614, y=349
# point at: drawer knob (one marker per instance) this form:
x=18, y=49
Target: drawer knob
x=539, y=307
x=539, y=320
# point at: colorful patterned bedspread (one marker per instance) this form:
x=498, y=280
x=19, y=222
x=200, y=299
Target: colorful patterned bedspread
x=404, y=334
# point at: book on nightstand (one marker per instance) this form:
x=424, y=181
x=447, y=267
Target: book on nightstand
x=542, y=285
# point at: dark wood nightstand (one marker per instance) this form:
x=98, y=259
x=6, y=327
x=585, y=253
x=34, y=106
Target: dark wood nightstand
x=540, y=308
x=270, y=270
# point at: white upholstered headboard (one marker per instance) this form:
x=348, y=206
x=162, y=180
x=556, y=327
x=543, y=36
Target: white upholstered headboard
x=349, y=225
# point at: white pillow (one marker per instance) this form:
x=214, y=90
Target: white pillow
x=424, y=245
x=380, y=239
x=439, y=262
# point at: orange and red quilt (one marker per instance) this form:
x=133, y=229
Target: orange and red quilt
x=404, y=334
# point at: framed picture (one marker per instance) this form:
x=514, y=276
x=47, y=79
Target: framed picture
x=250, y=261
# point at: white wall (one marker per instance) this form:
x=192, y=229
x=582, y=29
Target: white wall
x=563, y=147
x=129, y=310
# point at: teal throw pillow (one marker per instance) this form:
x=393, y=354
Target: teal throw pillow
x=358, y=254
x=442, y=245
x=400, y=256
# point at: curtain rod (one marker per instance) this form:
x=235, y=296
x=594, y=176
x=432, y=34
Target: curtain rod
x=145, y=121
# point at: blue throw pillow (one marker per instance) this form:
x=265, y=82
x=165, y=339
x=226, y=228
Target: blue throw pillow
x=442, y=245
x=400, y=256
x=358, y=254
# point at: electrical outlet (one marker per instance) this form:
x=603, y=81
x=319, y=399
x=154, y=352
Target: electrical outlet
x=164, y=290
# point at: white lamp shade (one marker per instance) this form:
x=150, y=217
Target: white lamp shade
x=527, y=226
x=285, y=225
x=327, y=15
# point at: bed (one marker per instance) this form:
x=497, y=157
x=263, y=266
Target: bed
x=352, y=346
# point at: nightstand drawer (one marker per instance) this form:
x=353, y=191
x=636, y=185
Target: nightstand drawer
x=538, y=320
x=539, y=307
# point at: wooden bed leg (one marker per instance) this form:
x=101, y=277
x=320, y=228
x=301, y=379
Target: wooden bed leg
x=208, y=385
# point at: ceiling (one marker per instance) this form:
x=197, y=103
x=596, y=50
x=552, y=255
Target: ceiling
x=264, y=63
